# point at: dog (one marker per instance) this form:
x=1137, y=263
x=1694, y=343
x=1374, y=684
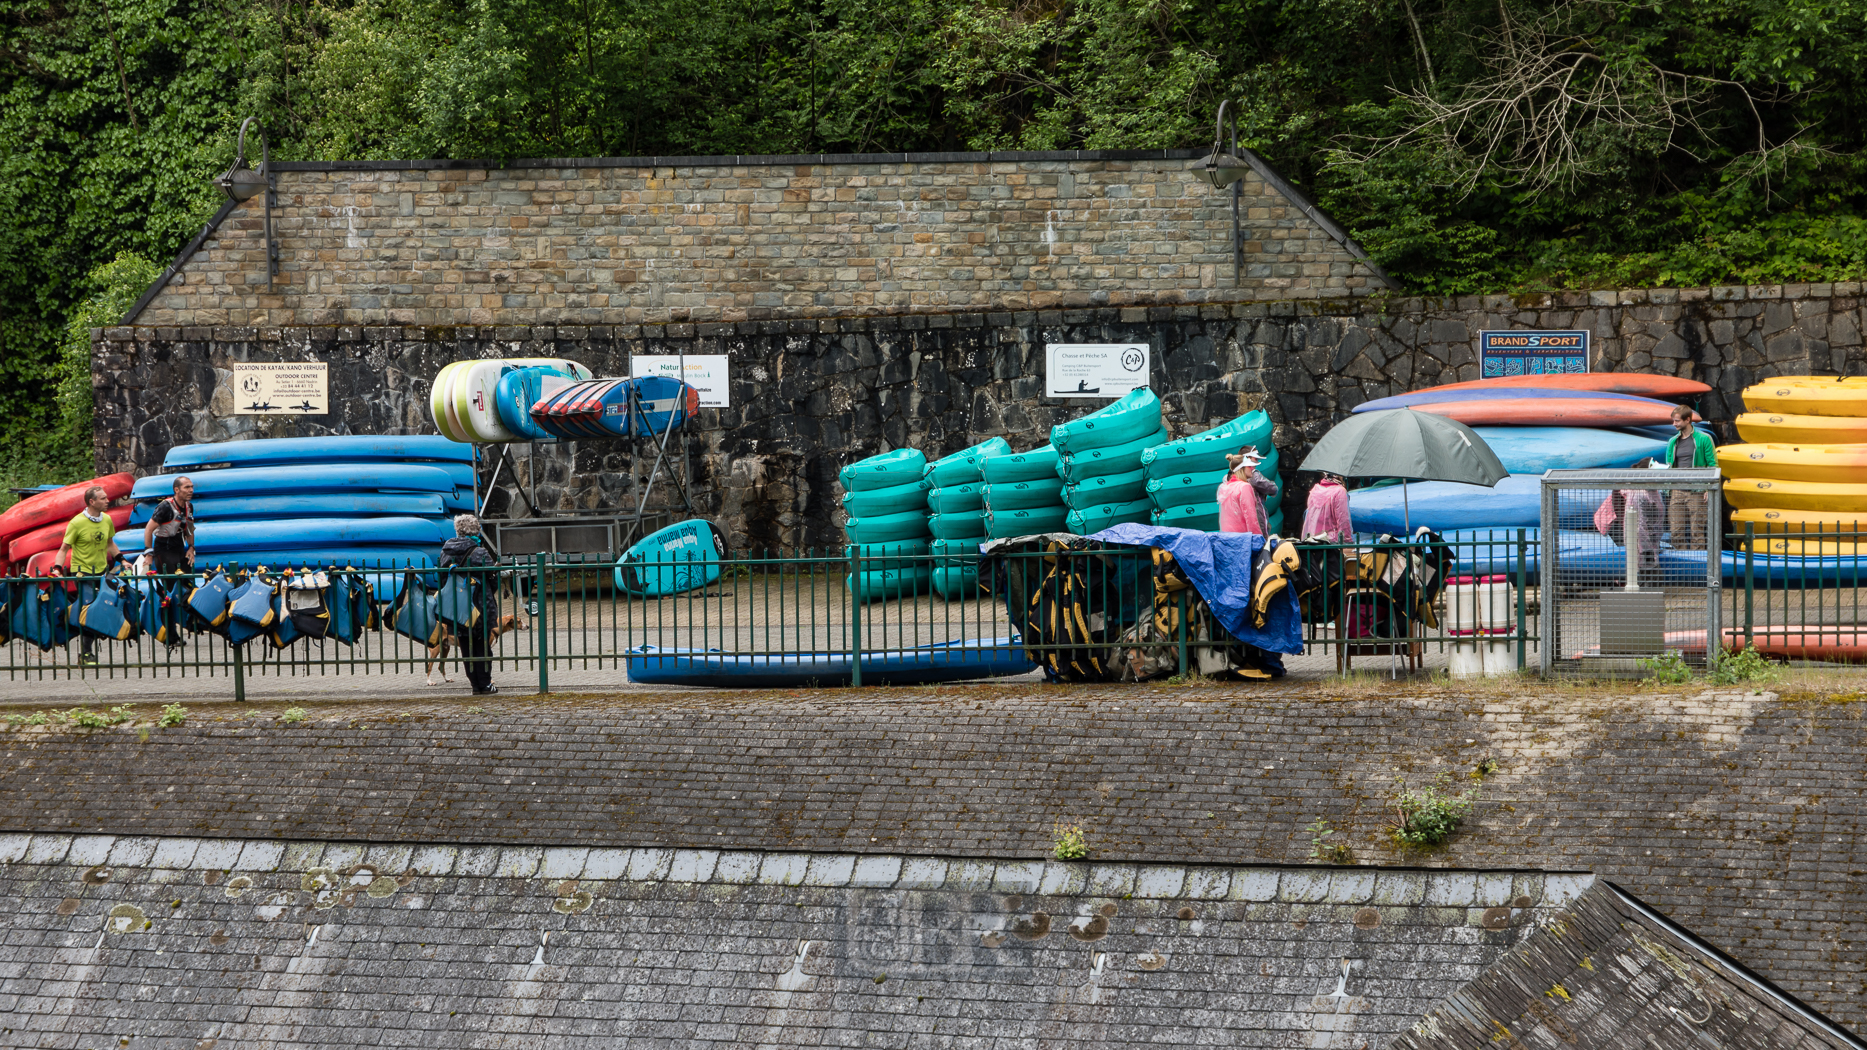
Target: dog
x=438, y=652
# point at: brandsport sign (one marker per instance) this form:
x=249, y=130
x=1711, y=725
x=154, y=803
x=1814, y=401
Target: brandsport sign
x=1523, y=353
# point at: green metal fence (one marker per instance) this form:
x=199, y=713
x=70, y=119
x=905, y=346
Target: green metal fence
x=1102, y=614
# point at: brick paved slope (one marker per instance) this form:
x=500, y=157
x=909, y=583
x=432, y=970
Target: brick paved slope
x=176, y=942
x=1740, y=816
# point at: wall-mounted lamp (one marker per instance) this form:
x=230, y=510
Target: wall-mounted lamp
x=242, y=183
x=1224, y=168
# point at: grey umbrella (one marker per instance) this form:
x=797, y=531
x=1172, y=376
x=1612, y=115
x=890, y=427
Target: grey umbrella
x=1412, y=446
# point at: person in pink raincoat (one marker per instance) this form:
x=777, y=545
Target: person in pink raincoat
x=1242, y=494
x=1325, y=517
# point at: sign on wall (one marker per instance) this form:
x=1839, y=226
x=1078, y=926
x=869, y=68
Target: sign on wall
x=281, y=388
x=1094, y=369
x=1532, y=353
x=705, y=373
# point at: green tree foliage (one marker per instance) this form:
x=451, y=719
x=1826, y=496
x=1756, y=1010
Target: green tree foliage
x=1472, y=145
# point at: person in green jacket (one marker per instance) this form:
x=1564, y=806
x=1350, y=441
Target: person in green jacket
x=1685, y=512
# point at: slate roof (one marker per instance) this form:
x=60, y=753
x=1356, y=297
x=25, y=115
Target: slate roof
x=203, y=943
x=1609, y=971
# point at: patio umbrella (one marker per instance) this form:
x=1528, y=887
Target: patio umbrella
x=1412, y=446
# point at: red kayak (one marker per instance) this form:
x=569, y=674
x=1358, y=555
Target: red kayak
x=52, y=536
x=59, y=505
x=1638, y=384
x=1553, y=412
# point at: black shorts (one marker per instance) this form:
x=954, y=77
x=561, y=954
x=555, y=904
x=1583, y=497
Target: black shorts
x=170, y=561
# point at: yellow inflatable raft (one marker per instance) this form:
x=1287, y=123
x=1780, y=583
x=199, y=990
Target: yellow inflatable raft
x=1825, y=463
x=1808, y=396
x=1777, y=429
x=1796, y=495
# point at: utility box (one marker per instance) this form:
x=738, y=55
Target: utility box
x=1633, y=623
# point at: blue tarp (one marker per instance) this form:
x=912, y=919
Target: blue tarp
x=1219, y=564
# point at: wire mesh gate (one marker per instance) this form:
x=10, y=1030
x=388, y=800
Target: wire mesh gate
x=1630, y=568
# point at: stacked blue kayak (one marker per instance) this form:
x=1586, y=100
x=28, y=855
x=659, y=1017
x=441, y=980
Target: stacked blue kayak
x=1099, y=462
x=886, y=499
x=368, y=501
x=956, y=516
x=1182, y=477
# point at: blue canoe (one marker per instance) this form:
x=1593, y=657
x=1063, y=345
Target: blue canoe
x=1533, y=450
x=1513, y=393
x=684, y=556
x=306, y=478
x=334, y=448
x=330, y=505
x=926, y=665
x=217, y=537
x=1447, y=506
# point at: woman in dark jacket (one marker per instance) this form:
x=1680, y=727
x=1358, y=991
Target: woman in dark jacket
x=467, y=548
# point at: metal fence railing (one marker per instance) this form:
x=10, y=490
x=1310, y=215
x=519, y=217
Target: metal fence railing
x=1081, y=610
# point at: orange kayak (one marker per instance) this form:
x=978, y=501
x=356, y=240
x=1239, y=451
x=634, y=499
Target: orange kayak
x=1844, y=643
x=1639, y=384
x=59, y=505
x=51, y=537
x=1553, y=412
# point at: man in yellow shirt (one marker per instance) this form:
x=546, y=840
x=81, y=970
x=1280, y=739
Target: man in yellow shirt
x=90, y=547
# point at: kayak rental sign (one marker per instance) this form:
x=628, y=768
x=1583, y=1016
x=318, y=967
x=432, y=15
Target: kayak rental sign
x=281, y=388
x=706, y=373
x=1532, y=353
x=1108, y=370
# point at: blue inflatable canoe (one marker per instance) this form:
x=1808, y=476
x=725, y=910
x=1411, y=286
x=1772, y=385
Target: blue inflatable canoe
x=684, y=556
x=1533, y=450
x=252, y=452
x=927, y=665
x=304, y=478
x=216, y=537
x=1446, y=506
x=331, y=505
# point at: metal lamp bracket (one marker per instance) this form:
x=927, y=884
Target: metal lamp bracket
x=241, y=182
x=1224, y=168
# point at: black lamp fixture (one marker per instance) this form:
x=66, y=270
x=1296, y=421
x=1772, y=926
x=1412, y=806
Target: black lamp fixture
x=242, y=183
x=1224, y=168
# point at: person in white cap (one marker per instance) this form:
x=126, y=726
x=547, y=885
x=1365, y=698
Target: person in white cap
x=1242, y=494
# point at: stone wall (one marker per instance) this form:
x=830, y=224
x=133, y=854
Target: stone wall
x=811, y=395
x=633, y=240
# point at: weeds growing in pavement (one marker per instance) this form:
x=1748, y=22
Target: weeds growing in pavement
x=1068, y=842
x=1429, y=815
x=172, y=715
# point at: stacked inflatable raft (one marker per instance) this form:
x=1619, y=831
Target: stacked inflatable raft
x=1099, y=462
x=1181, y=478
x=956, y=515
x=885, y=497
x=1024, y=494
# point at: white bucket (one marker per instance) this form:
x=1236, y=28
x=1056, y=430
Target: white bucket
x=1482, y=659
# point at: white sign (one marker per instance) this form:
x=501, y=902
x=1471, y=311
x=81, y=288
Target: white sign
x=281, y=388
x=1108, y=370
x=706, y=374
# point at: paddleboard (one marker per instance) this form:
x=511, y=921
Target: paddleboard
x=1016, y=495
x=927, y=665
x=660, y=403
x=1038, y=463
x=1207, y=450
x=520, y=389
x=1109, y=459
x=213, y=537
x=891, y=500
x=1780, y=429
x=51, y=537
x=957, y=498
x=1639, y=384
x=899, y=467
x=962, y=467
x=440, y=394
x=1533, y=450
x=443, y=397
x=1806, y=396
x=476, y=401
x=1600, y=410
x=1849, y=497
x=1135, y=415
x=59, y=505
x=558, y=413
x=303, y=479
x=329, y=505
x=684, y=556
x=883, y=528
x=333, y=448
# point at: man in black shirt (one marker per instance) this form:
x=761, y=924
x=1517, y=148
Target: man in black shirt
x=169, y=535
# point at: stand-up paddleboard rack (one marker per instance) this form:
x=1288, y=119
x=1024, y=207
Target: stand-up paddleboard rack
x=548, y=533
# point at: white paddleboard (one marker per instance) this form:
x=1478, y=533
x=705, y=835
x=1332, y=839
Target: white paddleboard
x=476, y=404
x=438, y=399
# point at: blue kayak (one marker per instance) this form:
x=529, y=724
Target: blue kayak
x=329, y=505
x=215, y=537
x=1533, y=450
x=926, y=665
x=335, y=448
x=1514, y=393
x=1446, y=506
x=305, y=478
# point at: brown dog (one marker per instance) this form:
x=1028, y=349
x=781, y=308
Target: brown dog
x=438, y=652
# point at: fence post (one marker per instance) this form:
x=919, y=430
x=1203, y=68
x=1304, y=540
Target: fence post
x=1180, y=631
x=1750, y=539
x=854, y=588
x=239, y=673
x=1523, y=578
x=541, y=624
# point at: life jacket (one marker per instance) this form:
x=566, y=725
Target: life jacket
x=1273, y=570
x=209, y=603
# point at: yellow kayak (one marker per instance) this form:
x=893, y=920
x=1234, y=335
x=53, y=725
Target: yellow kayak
x=1808, y=396
x=1778, y=429
x=1768, y=520
x=1796, y=495
x=1808, y=548
x=1826, y=463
